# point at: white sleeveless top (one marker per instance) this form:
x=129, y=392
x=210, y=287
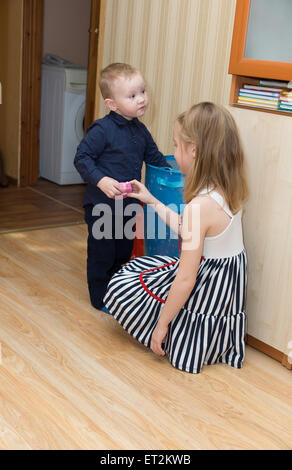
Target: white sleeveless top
x=229, y=242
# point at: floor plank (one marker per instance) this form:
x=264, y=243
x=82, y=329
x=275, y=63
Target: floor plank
x=68, y=194
x=42, y=205
x=72, y=378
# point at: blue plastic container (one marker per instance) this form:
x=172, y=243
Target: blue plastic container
x=166, y=184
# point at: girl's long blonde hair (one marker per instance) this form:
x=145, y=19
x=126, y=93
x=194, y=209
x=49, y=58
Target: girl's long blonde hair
x=219, y=162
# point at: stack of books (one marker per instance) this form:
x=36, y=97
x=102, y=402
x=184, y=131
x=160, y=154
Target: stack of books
x=259, y=96
x=285, y=100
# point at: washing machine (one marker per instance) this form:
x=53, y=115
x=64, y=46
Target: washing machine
x=63, y=98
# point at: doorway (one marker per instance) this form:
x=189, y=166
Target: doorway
x=36, y=37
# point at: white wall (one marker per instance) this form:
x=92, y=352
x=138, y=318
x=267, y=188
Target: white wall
x=66, y=24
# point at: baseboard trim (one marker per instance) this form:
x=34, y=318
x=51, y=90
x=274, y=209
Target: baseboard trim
x=269, y=350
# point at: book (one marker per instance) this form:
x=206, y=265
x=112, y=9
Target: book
x=257, y=105
x=259, y=92
x=274, y=83
x=285, y=108
x=285, y=104
x=285, y=97
x=252, y=100
x=263, y=88
x=259, y=97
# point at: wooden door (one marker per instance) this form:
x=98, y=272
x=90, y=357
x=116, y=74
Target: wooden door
x=30, y=90
x=96, y=31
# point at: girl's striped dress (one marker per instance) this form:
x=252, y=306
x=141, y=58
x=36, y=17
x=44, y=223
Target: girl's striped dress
x=210, y=327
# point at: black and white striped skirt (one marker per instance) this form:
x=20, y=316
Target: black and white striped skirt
x=209, y=328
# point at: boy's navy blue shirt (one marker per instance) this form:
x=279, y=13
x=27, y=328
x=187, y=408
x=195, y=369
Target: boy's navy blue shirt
x=116, y=147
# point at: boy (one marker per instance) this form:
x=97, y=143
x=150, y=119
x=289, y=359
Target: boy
x=113, y=151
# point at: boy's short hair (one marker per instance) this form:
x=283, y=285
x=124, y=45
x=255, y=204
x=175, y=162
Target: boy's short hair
x=110, y=73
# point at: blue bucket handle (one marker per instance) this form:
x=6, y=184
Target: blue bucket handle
x=164, y=168
x=170, y=184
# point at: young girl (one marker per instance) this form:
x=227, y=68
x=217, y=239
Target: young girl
x=192, y=308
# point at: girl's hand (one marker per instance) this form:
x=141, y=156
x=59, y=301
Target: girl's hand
x=158, y=337
x=141, y=192
x=110, y=187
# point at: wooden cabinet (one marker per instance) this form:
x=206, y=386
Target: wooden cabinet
x=268, y=217
x=240, y=64
x=244, y=67
x=267, y=226
x=237, y=82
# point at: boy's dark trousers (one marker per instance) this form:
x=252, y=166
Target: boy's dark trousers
x=104, y=256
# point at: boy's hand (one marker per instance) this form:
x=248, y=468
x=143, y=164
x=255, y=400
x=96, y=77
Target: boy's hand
x=141, y=192
x=109, y=186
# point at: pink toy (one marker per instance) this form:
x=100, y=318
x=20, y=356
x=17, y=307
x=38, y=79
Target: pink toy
x=127, y=188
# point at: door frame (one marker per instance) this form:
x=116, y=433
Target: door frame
x=30, y=91
x=32, y=41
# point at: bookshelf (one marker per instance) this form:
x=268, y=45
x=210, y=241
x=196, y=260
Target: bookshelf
x=245, y=70
x=237, y=82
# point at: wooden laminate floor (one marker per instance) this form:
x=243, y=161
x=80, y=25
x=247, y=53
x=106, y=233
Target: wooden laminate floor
x=42, y=205
x=72, y=378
